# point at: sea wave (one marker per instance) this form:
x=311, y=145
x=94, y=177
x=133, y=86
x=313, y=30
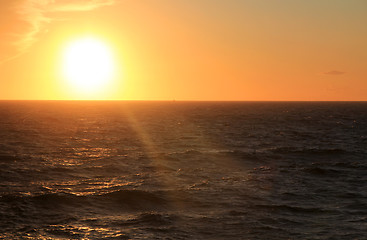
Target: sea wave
x=125, y=199
x=312, y=151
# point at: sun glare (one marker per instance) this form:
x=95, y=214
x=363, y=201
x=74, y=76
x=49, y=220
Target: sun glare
x=87, y=65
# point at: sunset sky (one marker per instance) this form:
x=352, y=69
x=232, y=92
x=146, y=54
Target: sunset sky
x=188, y=49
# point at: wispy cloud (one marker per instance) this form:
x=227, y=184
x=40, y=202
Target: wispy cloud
x=81, y=5
x=23, y=20
x=334, y=73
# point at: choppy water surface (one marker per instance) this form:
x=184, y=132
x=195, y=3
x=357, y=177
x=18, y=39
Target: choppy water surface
x=183, y=170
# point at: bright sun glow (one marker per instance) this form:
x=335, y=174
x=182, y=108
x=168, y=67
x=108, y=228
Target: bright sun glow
x=88, y=65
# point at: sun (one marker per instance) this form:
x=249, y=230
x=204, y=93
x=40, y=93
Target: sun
x=88, y=65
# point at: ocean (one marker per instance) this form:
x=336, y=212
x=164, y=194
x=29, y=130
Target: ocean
x=183, y=170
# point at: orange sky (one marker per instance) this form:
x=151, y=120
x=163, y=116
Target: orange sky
x=191, y=50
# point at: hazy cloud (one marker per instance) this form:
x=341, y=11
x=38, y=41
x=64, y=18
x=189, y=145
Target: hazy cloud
x=21, y=21
x=79, y=5
x=334, y=73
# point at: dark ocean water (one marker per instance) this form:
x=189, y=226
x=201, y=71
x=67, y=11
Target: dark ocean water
x=183, y=170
